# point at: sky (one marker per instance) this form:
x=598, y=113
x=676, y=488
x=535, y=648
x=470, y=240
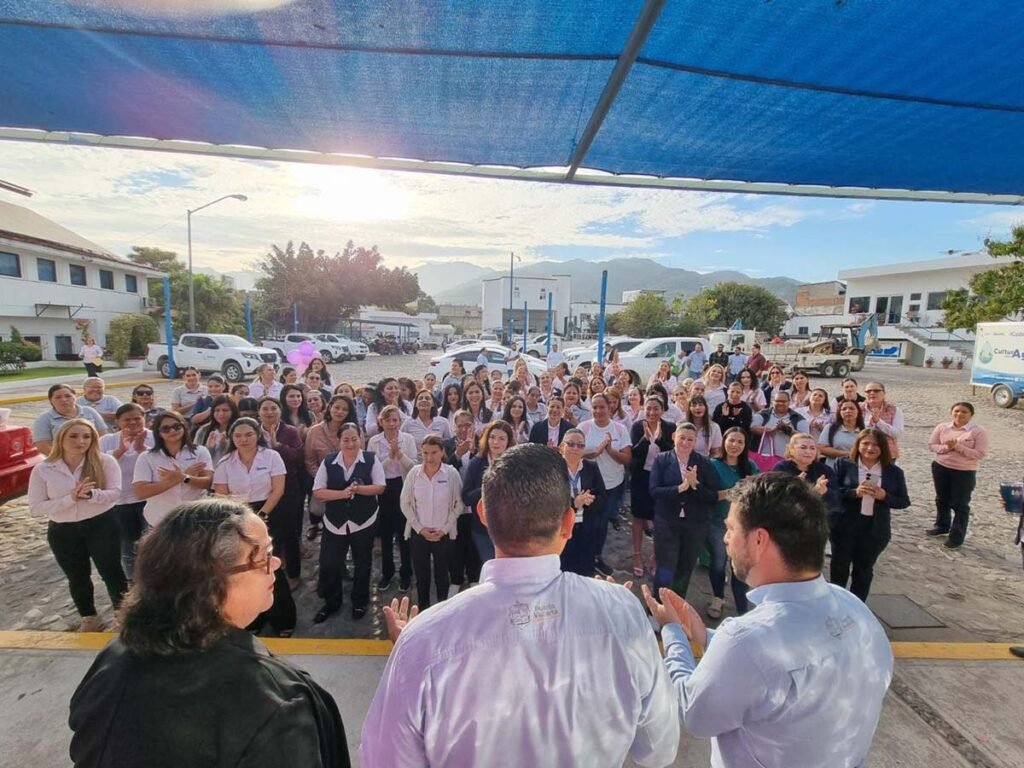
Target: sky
x=120, y=198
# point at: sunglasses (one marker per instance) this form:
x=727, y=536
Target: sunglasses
x=144, y=392
x=168, y=428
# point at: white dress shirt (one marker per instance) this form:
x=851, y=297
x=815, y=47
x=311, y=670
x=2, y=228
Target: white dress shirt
x=258, y=390
x=147, y=470
x=432, y=502
x=438, y=426
x=373, y=427
x=376, y=478
x=109, y=444
x=533, y=667
x=798, y=681
x=254, y=483
x=612, y=473
x=51, y=484
x=394, y=467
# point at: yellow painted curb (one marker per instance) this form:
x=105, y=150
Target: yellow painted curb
x=110, y=385
x=312, y=646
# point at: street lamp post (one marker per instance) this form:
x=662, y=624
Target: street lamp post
x=191, y=278
x=512, y=259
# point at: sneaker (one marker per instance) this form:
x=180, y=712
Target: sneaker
x=91, y=624
x=404, y=584
x=603, y=568
x=385, y=583
x=715, y=609
x=936, y=531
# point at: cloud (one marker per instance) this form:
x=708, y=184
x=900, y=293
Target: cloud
x=996, y=224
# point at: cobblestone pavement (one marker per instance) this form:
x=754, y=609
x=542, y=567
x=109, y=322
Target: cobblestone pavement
x=977, y=591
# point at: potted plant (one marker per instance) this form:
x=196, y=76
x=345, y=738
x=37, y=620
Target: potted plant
x=929, y=361
x=946, y=361
x=960, y=363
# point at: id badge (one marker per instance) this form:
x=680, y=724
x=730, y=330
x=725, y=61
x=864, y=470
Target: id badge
x=579, y=515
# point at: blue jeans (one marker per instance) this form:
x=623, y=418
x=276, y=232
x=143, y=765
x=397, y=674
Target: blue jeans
x=612, y=502
x=716, y=566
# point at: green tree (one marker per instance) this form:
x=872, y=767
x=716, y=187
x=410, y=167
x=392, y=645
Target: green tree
x=129, y=335
x=755, y=306
x=219, y=307
x=701, y=310
x=646, y=315
x=424, y=303
x=327, y=287
x=996, y=294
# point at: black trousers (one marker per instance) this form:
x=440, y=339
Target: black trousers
x=854, y=546
x=423, y=552
x=282, y=614
x=465, y=559
x=391, y=527
x=578, y=554
x=75, y=544
x=677, y=546
x=285, y=526
x=333, y=551
x=953, y=489
x=131, y=524
x=91, y=369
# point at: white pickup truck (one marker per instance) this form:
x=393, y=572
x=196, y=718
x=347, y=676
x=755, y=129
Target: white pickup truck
x=223, y=353
x=329, y=351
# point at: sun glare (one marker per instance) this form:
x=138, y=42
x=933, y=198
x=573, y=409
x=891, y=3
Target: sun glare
x=348, y=194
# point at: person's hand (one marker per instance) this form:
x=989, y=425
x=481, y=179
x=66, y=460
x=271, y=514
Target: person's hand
x=140, y=441
x=951, y=444
x=83, y=490
x=126, y=442
x=394, y=449
x=397, y=616
x=690, y=476
x=663, y=613
x=605, y=444
x=821, y=485
x=463, y=447
x=583, y=499
x=195, y=470
x=675, y=610
x=173, y=475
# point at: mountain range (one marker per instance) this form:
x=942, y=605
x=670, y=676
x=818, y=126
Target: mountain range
x=458, y=282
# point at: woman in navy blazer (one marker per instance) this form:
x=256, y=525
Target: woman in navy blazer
x=587, y=496
x=803, y=460
x=871, y=486
x=540, y=433
x=776, y=380
x=683, y=505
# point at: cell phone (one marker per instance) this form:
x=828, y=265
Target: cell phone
x=870, y=479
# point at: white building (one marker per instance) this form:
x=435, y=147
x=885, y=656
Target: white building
x=583, y=315
x=55, y=285
x=529, y=291
x=372, y=321
x=628, y=296
x=907, y=299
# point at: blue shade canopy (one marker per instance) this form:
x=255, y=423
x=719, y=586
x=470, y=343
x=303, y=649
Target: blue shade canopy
x=838, y=97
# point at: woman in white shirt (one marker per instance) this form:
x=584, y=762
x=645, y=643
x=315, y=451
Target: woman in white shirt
x=714, y=387
x=126, y=445
x=709, y=434
x=397, y=453
x=388, y=392
x=91, y=354
x=266, y=384
x=515, y=415
x=752, y=394
x=663, y=376
x=174, y=471
x=76, y=487
x=426, y=421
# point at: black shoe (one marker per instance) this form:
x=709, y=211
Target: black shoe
x=649, y=533
x=385, y=583
x=936, y=531
x=952, y=543
x=603, y=568
x=404, y=584
x=323, y=614
x=616, y=525
x=358, y=613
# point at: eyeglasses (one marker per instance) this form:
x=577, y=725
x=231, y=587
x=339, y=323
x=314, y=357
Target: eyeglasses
x=263, y=564
x=574, y=444
x=168, y=428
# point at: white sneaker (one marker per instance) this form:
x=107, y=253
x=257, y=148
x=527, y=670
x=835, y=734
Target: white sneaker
x=91, y=624
x=715, y=609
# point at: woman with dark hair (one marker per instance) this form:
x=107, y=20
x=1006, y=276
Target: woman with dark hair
x=451, y=401
x=202, y=411
x=777, y=382
x=649, y=436
x=185, y=684
x=733, y=466
x=316, y=401
x=817, y=412
x=63, y=408
x=76, y=487
x=317, y=365
x=836, y=440
x=959, y=446
x=408, y=389
x=175, y=470
x=425, y=421
x=575, y=410
x=387, y=392
x=321, y=440
x=752, y=394
x=870, y=486
x=709, y=434
x=455, y=375
x=289, y=375
x=294, y=410
x=515, y=415
x=214, y=434
x=800, y=393
x=144, y=396
x=238, y=391
x=497, y=438
x=734, y=412
x=586, y=494
x=348, y=484
x=473, y=396
x=249, y=406
x=254, y=473
x=286, y=525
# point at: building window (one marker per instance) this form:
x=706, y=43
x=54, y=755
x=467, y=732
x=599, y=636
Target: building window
x=935, y=300
x=859, y=304
x=106, y=279
x=131, y=283
x=802, y=331
x=46, y=269
x=77, y=274
x=10, y=265
x=64, y=346
x=915, y=297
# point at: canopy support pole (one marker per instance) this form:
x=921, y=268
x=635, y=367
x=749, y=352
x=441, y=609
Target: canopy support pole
x=637, y=37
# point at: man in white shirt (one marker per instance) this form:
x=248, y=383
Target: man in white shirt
x=481, y=359
x=799, y=680
x=555, y=356
x=533, y=667
x=94, y=397
x=737, y=362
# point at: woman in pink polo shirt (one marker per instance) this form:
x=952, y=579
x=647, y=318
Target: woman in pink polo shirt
x=959, y=446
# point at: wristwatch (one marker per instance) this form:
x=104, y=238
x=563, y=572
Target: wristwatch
x=186, y=479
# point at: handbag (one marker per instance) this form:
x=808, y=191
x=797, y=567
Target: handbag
x=765, y=462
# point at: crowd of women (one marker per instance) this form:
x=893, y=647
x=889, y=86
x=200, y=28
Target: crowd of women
x=401, y=461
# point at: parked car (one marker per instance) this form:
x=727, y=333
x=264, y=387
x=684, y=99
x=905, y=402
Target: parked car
x=356, y=349
x=538, y=346
x=642, y=360
x=489, y=336
x=495, y=359
x=329, y=351
x=223, y=353
x=585, y=356
x=459, y=343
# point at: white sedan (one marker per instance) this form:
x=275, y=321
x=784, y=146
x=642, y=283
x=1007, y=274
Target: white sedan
x=468, y=354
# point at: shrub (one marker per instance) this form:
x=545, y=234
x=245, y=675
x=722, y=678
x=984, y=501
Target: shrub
x=129, y=335
x=14, y=355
